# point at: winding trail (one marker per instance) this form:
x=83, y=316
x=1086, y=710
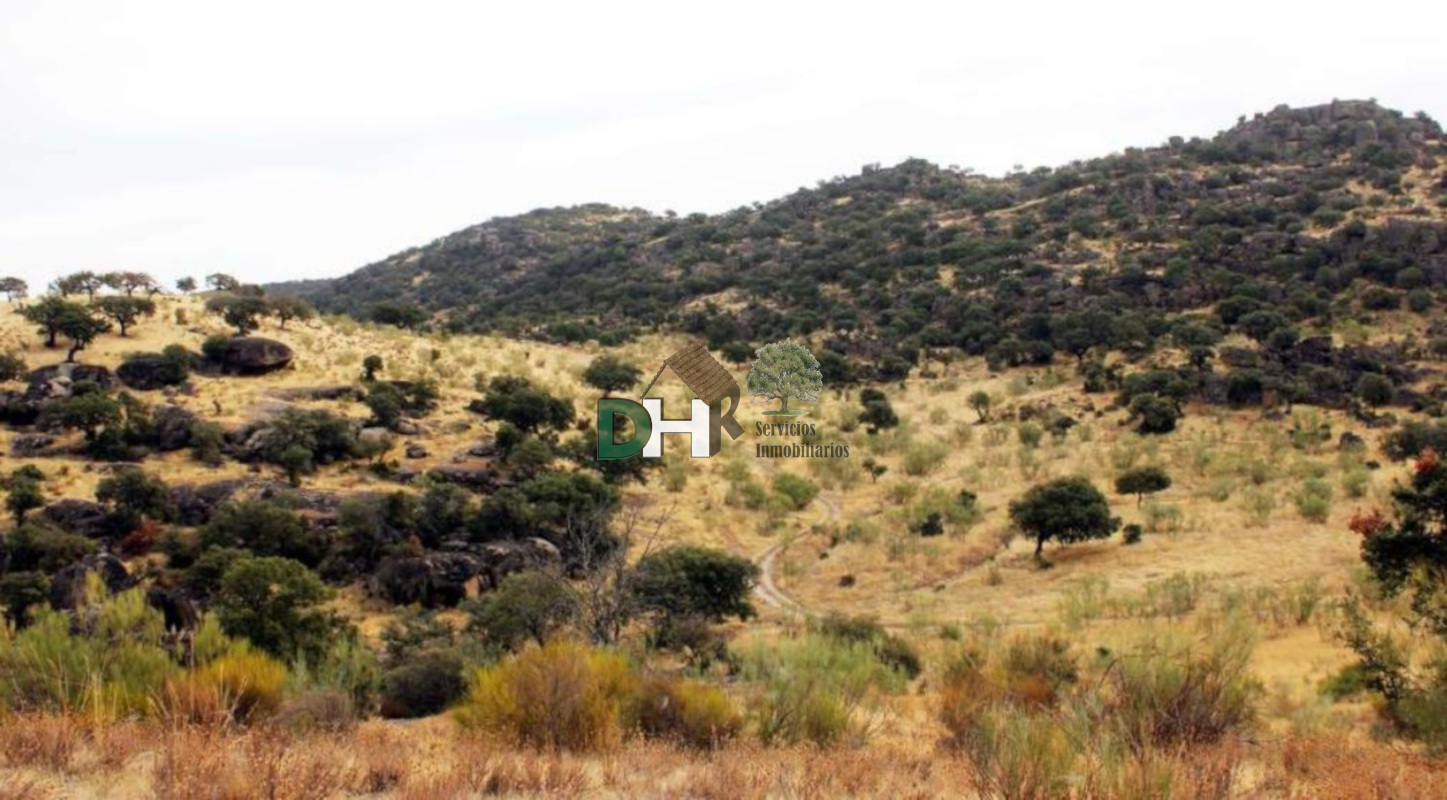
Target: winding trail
x=767, y=590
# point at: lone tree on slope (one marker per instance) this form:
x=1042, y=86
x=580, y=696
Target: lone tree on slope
x=785, y=370
x=1142, y=481
x=1067, y=510
x=610, y=375
x=125, y=311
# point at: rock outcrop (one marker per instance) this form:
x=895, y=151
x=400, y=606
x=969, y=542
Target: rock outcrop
x=254, y=355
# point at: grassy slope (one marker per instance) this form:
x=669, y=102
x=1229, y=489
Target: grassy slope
x=913, y=584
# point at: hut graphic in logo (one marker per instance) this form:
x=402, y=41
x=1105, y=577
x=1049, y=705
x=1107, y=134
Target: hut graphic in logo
x=707, y=378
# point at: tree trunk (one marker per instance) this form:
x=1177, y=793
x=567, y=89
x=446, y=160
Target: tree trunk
x=785, y=407
x=1039, y=547
x=70, y=356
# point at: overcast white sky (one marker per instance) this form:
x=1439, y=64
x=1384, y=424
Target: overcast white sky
x=279, y=140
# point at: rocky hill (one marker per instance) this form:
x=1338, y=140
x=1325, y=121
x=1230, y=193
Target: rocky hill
x=1310, y=212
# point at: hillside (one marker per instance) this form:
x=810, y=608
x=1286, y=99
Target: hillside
x=1142, y=498
x=1304, y=210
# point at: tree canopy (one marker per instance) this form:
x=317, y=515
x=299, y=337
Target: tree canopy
x=1067, y=510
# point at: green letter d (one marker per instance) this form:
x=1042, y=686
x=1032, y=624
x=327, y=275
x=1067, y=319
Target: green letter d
x=608, y=407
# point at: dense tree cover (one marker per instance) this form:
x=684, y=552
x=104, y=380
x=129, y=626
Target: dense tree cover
x=265, y=529
x=892, y=262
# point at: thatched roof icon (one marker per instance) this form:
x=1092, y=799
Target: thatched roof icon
x=700, y=371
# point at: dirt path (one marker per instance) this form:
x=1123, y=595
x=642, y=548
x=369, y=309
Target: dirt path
x=767, y=590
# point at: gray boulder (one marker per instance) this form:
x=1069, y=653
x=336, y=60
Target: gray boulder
x=57, y=382
x=501, y=559
x=433, y=580
x=479, y=476
x=80, y=517
x=254, y=355
x=28, y=445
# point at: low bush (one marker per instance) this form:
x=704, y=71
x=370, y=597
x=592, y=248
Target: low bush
x=1168, y=692
x=243, y=685
x=799, y=491
x=112, y=666
x=1313, y=500
x=814, y=689
x=319, y=711
x=686, y=713
x=923, y=458
x=423, y=686
x=561, y=696
x=891, y=650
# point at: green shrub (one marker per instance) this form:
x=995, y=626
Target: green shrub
x=808, y=689
x=275, y=603
x=747, y=494
x=901, y=492
x=266, y=528
x=799, y=491
x=527, y=606
x=1356, y=482
x=1259, y=503
x=1030, y=435
x=891, y=650
x=1169, y=692
x=1163, y=517
x=214, y=347
x=422, y=686
x=112, y=667
x=32, y=547
x=1313, y=500
x=923, y=458
x=1133, y=533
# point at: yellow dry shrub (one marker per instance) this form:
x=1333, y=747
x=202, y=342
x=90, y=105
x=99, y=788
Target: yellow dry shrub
x=562, y=696
x=685, y=712
x=242, y=685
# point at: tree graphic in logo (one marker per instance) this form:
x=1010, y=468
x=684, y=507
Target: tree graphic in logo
x=785, y=370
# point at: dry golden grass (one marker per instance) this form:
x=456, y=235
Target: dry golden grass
x=427, y=759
